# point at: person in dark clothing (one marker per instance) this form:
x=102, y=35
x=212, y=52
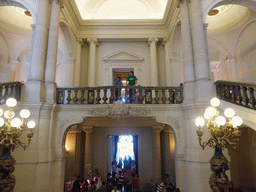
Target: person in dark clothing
x=76, y=185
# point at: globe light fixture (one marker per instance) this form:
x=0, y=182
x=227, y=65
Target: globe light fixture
x=224, y=133
x=11, y=128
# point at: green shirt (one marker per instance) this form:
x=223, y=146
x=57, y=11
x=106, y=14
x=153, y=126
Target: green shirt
x=131, y=80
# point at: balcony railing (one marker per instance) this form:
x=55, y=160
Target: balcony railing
x=10, y=89
x=239, y=93
x=108, y=94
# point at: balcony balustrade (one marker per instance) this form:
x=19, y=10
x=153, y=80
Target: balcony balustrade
x=108, y=94
x=10, y=89
x=238, y=93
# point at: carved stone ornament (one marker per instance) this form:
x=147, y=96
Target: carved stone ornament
x=119, y=110
x=100, y=112
x=139, y=112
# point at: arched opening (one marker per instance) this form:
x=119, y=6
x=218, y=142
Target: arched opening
x=243, y=161
x=15, y=39
x=231, y=41
x=97, y=142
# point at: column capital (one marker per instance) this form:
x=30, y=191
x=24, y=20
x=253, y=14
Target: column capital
x=92, y=40
x=152, y=40
x=167, y=131
x=87, y=128
x=157, y=128
x=165, y=41
x=80, y=41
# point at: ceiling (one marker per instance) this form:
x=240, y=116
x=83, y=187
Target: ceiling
x=121, y=9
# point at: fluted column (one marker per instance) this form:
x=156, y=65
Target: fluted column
x=169, y=160
x=69, y=71
x=204, y=86
x=153, y=61
x=188, y=65
x=156, y=153
x=88, y=149
x=92, y=58
x=77, y=74
x=52, y=51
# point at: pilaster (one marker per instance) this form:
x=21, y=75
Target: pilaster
x=157, y=152
x=79, y=44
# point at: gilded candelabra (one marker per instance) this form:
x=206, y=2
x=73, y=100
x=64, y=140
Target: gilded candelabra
x=224, y=133
x=10, y=130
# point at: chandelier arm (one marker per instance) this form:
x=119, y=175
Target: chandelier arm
x=205, y=143
x=230, y=144
x=23, y=145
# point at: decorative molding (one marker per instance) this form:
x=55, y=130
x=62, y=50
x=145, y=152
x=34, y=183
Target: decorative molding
x=247, y=51
x=123, y=56
x=119, y=110
x=174, y=121
x=214, y=65
x=99, y=112
x=142, y=112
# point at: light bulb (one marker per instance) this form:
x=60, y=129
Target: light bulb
x=31, y=124
x=6, y=114
x=211, y=111
x=229, y=112
x=236, y=121
x=16, y=122
x=206, y=115
x=215, y=102
x=25, y=113
x=1, y=121
x=1, y=112
x=220, y=120
x=199, y=121
x=11, y=102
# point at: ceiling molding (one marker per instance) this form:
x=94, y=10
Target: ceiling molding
x=123, y=56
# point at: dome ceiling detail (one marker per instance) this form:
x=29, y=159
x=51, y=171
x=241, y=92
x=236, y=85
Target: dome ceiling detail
x=121, y=9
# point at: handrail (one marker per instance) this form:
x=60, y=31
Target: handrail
x=242, y=94
x=128, y=94
x=10, y=89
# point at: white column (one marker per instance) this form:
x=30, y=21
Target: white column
x=88, y=149
x=188, y=65
x=92, y=58
x=38, y=55
x=204, y=86
x=153, y=60
x=50, y=71
x=34, y=89
x=52, y=52
x=168, y=151
x=157, y=153
x=77, y=74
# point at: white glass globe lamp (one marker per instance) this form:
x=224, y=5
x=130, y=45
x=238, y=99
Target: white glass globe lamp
x=236, y=121
x=220, y=120
x=31, y=124
x=229, y=112
x=215, y=102
x=199, y=121
x=207, y=115
x=211, y=111
x=1, y=121
x=16, y=122
x=11, y=102
x=25, y=113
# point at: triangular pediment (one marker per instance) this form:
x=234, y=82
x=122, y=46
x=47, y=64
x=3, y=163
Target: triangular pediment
x=123, y=56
